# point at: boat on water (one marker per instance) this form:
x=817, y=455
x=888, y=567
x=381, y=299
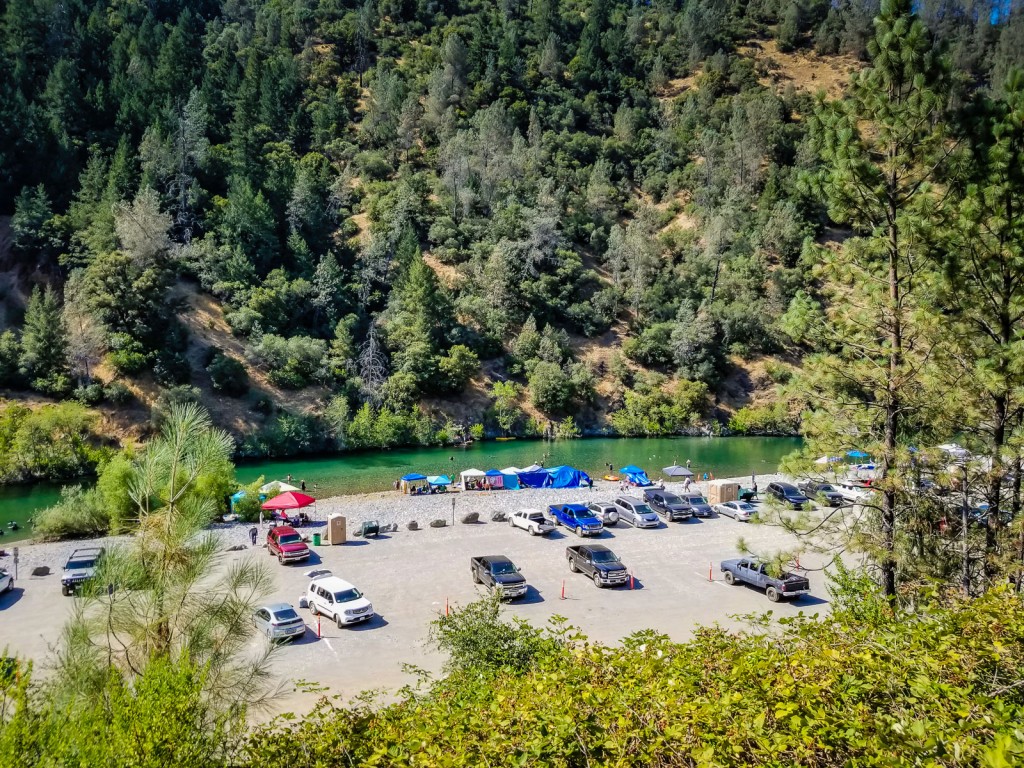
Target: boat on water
x=504, y=439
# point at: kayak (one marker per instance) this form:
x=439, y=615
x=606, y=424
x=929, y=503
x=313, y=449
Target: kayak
x=504, y=439
x=613, y=478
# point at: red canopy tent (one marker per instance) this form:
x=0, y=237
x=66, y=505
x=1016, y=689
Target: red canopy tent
x=289, y=500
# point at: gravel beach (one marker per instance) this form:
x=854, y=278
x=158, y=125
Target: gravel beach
x=386, y=507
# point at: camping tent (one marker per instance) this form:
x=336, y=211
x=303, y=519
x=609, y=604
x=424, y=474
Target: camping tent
x=532, y=468
x=439, y=480
x=635, y=475
x=289, y=500
x=677, y=471
x=512, y=471
x=277, y=485
x=568, y=477
x=408, y=482
x=510, y=480
x=539, y=478
x=473, y=476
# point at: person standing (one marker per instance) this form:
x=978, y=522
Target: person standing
x=253, y=535
x=303, y=484
x=687, y=463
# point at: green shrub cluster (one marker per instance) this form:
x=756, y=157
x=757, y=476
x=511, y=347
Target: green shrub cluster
x=53, y=442
x=773, y=419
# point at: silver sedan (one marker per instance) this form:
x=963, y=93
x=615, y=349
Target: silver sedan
x=279, y=622
x=737, y=510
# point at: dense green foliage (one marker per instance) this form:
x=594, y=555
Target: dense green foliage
x=385, y=198
x=938, y=685
x=51, y=442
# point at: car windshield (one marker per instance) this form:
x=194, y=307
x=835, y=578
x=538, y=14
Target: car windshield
x=745, y=507
x=286, y=614
x=347, y=596
x=696, y=499
x=605, y=557
x=502, y=568
x=825, y=487
x=671, y=498
x=290, y=538
x=76, y=564
x=643, y=509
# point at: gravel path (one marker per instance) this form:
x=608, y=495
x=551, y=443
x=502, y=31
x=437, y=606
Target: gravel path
x=386, y=507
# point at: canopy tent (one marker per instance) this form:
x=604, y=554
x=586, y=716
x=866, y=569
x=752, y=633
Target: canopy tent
x=512, y=471
x=855, y=454
x=408, y=482
x=954, y=450
x=568, y=477
x=677, y=471
x=471, y=479
x=289, y=500
x=510, y=482
x=537, y=479
x=532, y=468
x=277, y=485
x=635, y=475
x=439, y=480
x=827, y=460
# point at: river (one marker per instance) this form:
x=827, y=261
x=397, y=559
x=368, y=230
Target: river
x=348, y=473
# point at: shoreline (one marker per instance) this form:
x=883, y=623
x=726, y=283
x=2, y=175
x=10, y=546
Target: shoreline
x=387, y=507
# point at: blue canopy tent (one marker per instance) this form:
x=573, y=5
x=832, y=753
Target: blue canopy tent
x=539, y=479
x=635, y=475
x=498, y=479
x=511, y=481
x=856, y=454
x=568, y=477
x=408, y=482
x=439, y=480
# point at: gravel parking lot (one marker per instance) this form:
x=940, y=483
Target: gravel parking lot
x=411, y=575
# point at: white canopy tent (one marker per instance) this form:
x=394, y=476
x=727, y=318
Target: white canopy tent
x=280, y=485
x=470, y=474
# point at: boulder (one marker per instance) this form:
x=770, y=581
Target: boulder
x=439, y=523
x=236, y=548
x=499, y=517
x=471, y=517
x=42, y=570
x=412, y=525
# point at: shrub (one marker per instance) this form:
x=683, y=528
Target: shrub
x=127, y=356
x=89, y=394
x=657, y=413
x=292, y=363
x=653, y=347
x=53, y=442
x=117, y=393
x=80, y=513
x=458, y=367
x=773, y=419
x=170, y=397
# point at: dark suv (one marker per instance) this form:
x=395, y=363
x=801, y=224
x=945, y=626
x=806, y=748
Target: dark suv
x=788, y=494
x=668, y=505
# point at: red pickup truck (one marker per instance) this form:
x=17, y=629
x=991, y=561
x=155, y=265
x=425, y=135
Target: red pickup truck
x=285, y=542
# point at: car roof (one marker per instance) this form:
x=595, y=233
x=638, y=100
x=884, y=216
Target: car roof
x=284, y=529
x=786, y=486
x=495, y=558
x=275, y=607
x=576, y=507
x=595, y=547
x=630, y=499
x=331, y=583
x=529, y=512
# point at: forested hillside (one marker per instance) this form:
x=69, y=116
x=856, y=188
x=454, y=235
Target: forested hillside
x=348, y=224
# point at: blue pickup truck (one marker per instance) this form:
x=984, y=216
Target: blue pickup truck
x=577, y=517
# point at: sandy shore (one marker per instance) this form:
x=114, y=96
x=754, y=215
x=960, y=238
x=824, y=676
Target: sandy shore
x=386, y=507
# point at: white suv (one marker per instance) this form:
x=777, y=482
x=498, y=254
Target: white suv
x=337, y=599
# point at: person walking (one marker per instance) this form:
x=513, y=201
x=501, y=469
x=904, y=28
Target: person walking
x=253, y=535
x=303, y=484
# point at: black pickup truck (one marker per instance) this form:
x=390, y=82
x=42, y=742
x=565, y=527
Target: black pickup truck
x=500, y=574
x=598, y=562
x=755, y=573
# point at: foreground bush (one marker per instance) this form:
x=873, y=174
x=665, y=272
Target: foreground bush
x=938, y=687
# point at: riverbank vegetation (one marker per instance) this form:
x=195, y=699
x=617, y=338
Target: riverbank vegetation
x=292, y=214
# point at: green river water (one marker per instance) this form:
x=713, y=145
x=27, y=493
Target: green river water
x=371, y=471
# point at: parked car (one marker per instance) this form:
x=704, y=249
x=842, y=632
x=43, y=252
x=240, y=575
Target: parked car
x=755, y=573
x=279, y=622
x=816, y=489
x=635, y=512
x=855, y=491
x=698, y=504
x=286, y=544
x=6, y=581
x=737, y=510
x=668, y=505
x=605, y=511
x=500, y=574
x=577, y=517
x=79, y=568
x=598, y=562
x=788, y=494
x=531, y=520
x=335, y=598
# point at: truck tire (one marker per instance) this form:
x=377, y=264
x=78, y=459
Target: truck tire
x=534, y=531
x=597, y=580
x=579, y=531
x=65, y=590
x=511, y=523
x=572, y=566
x=280, y=559
x=773, y=594
x=338, y=621
x=312, y=609
x=729, y=577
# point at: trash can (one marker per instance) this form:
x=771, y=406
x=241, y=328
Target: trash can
x=316, y=539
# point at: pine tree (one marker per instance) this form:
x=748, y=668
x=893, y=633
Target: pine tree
x=44, y=343
x=882, y=147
